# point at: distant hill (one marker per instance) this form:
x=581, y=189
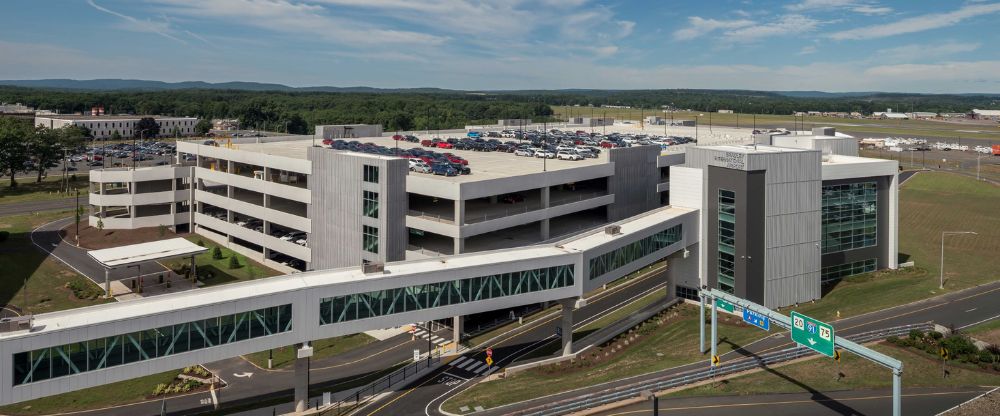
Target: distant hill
x=146, y=85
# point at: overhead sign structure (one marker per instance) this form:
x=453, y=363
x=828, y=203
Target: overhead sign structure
x=756, y=319
x=726, y=306
x=814, y=334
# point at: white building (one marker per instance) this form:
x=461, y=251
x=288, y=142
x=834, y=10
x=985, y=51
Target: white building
x=104, y=126
x=986, y=114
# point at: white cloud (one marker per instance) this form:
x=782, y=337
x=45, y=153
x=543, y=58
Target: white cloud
x=143, y=26
x=918, y=52
x=807, y=50
x=863, y=7
x=918, y=23
x=699, y=26
x=790, y=24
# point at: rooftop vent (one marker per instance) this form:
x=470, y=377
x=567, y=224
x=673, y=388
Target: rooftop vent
x=16, y=323
x=613, y=230
x=372, y=268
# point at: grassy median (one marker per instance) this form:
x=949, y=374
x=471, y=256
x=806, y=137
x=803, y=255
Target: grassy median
x=852, y=373
x=671, y=343
x=28, y=190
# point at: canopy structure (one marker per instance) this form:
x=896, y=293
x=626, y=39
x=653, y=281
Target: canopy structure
x=138, y=253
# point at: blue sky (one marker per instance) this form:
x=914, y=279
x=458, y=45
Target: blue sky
x=829, y=45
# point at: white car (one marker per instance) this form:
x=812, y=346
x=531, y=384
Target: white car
x=565, y=148
x=569, y=156
x=302, y=242
x=546, y=154
x=586, y=153
x=417, y=165
x=524, y=152
x=293, y=236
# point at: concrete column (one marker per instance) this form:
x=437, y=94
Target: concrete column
x=459, y=211
x=303, y=351
x=566, y=325
x=544, y=229
x=194, y=270
x=456, y=330
x=107, y=283
x=173, y=205
x=459, y=245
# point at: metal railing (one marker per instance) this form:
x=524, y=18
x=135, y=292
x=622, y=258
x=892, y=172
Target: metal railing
x=368, y=392
x=586, y=401
x=529, y=207
x=431, y=216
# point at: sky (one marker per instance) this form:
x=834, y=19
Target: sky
x=941, y=46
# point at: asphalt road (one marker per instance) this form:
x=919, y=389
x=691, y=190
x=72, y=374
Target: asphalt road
x=915, y=402
x=426, y=394
x=958, y=309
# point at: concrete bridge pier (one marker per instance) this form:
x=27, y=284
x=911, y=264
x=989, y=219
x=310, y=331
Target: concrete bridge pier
x=303, y=353
x=566, y=322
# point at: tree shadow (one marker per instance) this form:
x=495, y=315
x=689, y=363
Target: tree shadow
x=19, y=260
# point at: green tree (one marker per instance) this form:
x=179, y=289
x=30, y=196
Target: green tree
x=116, y=136
x=146, y=127
x=203, y=127
x=45, y=150
x=14, y=155
x=234, y=262
x=216, y=253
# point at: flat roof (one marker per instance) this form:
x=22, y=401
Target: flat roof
x=106, y=117
x=750, y=149
x=142, y=252
x=484, y=165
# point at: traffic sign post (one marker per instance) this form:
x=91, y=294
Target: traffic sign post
x=813, y=334
x=756, y=319
x=726, y=306
x=489, y=361
x=715, y=360
x=489, y=352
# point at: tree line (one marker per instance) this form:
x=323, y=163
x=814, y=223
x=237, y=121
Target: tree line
x=25, y=148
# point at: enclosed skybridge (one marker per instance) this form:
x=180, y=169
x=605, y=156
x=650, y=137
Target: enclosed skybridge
x=87, y=347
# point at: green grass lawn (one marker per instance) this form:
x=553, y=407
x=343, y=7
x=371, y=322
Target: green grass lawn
x=122, y=392
x=673, y=343
x=31, y=279
x=323, y=348
x=988, y=331
x=930, y=202
x=28, y=190
x=219, y=268
x=821, y=374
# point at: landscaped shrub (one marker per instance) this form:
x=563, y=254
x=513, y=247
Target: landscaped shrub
x=201, y=242
x=892, y=339
x=936, y=335
x=82, y=290
x=216, y=253
x=234, y=262
x=959, y=345
x=916, y=334
x=986, y=356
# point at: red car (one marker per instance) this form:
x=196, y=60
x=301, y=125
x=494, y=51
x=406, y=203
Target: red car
x=456, y=159
x=327, y=142
x=607, y=144
x=445, y=145
x=427, y=159
x=427, y=143
x=397, y=137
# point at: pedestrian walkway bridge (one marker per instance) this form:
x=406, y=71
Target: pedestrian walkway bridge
x=86, y=347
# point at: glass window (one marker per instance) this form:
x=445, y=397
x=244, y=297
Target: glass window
x=369, y=239
x=850, y=216
x=95, y=354
x=371, y=173
x=370, y=204
x=413, y=298
x=727, y=241
x=612, y=260
x=833, y=273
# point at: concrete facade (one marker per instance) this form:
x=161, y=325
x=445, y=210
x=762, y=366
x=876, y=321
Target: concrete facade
x=103, y=127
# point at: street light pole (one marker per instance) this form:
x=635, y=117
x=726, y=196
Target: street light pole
x=943, y=234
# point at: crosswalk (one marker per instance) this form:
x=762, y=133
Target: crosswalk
x=473, y=366
x=436, y=340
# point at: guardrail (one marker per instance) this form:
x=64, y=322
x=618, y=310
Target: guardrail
x=529, y=207
x=368, y=392
x=586, y=401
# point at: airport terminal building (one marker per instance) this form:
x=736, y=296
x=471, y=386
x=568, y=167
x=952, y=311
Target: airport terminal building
x=778, y=219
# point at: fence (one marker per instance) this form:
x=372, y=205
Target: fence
x=368, y=392
x=586, y=401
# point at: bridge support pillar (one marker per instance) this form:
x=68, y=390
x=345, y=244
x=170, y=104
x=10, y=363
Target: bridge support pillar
x=303, y=352
x=456, y=330
x=565, y=329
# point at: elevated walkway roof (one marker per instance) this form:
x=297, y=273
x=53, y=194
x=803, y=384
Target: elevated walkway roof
x=143, y=252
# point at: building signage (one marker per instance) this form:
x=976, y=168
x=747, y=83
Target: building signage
x=732, y=160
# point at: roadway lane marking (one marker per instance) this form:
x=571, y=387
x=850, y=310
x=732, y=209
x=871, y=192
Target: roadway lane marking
x=452, y=375
x=462, y=366
x=970, y=310
x=483, y=368
x=977, y=323
x=749, y=404
x=473, y=369
x=459, y=361
x=492, y=369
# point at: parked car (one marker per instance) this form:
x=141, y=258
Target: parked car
x=524, y=152
x=427, y=143
x=542, y=153
x=444, y=169
x=294, y=235
x=445, y=145
x=397, y=137
x=417, y=165
x=565, y=155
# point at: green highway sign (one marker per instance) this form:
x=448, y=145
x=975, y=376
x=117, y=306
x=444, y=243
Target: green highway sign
x=726, y=306
x=812, y=333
